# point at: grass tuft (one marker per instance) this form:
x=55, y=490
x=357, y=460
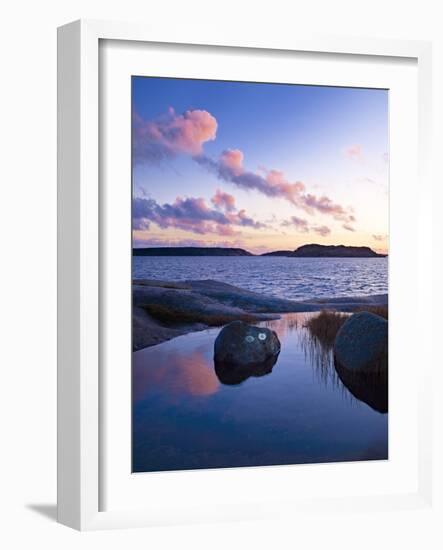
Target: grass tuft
x=382, y=311
x=325, y=325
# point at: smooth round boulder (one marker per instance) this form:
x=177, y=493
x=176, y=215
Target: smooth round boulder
x=361, y=343
x=245, y=345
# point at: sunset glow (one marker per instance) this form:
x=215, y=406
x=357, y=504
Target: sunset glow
x=258, y=166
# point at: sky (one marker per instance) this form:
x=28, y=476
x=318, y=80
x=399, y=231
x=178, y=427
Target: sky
x=258, y=166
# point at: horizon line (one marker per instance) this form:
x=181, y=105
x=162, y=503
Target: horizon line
x=255, y=254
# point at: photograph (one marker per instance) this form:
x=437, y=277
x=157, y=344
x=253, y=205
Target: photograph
x=222, y=270
x=260, y=242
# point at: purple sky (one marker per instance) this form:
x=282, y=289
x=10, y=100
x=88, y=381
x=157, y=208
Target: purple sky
x=260, y=166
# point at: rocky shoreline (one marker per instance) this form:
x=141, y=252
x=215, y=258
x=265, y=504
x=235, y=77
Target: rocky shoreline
x=163, y=310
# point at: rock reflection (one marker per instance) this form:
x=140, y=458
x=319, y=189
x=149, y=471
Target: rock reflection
x=371, y=388
x=179, y=368
x=232, y=375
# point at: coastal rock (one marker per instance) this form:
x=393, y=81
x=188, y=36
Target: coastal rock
x=239, y=344
x=361, y=343
x=197, y=305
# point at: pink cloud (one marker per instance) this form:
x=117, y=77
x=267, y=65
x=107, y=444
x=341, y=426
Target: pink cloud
x=348, y=227
x=223, y=200
x=240, y=218
x=322, y=230
x=233, y=160
x=325, y=205
x=291, y=191
x=379, y=238
x=301, y=225
x=189, y=214
x=172, y=134
x=353, y=152
x=229, y=167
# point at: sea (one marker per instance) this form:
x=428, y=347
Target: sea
x=187, y=414
x=291, y=278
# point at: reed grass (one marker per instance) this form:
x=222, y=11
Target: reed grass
x=325, y=325
x=382, y=311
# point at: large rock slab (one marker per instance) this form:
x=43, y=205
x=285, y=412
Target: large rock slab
x=194, y=301
x=361, y=344
x=239, y=344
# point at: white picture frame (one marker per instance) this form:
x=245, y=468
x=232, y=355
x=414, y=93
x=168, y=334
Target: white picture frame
x=80, y=205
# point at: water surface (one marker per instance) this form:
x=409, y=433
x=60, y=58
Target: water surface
x=292, y=278
x=184, y=417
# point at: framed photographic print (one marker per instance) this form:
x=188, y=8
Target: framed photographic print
x=243, y=277
x=234, y=230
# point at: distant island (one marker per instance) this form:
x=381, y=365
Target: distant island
x=190, y=251
x=305, y=251
x=328, y=251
